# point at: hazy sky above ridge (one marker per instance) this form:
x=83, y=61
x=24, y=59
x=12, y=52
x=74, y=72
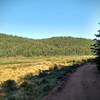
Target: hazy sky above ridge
x=48, y=18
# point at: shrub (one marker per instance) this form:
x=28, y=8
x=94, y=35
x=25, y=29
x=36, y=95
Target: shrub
x=9, y=85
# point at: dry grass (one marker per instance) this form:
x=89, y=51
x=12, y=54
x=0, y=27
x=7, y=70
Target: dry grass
x=16, y=67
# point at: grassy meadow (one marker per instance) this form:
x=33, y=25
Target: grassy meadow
x=17, y=67
x=31, y=78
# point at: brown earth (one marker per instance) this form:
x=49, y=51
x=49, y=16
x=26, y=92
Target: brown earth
x=84, y=84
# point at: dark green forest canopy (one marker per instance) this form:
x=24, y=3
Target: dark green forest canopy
x=18, y=46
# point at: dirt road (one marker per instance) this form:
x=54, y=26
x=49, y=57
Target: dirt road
x=84, y=84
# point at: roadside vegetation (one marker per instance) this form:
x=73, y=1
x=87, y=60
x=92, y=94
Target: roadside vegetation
x=33, y=78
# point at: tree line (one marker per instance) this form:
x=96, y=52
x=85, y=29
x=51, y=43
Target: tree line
x=68, y=46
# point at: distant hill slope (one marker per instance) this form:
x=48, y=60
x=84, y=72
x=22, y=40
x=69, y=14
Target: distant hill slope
x=18, y=46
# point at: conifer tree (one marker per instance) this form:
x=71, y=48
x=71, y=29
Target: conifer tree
x=96, y=49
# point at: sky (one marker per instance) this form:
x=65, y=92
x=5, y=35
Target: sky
x=50, y=18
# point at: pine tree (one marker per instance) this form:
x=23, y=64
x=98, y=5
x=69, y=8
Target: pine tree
x=96, y=49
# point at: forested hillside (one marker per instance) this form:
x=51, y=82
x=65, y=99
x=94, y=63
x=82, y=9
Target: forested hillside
x=18, y=46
